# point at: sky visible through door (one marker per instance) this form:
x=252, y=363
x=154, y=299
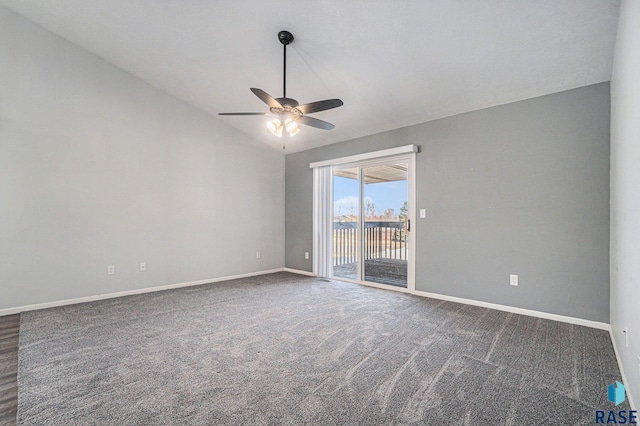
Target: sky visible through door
x=383, y=197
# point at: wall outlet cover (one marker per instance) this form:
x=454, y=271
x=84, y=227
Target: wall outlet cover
x=513, y=280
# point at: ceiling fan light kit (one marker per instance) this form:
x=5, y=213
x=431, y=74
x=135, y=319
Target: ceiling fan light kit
x=276, y=126
x=289, y=113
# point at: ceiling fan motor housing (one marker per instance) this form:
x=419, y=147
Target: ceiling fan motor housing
x=288, y=102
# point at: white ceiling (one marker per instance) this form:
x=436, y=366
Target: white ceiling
x=393, y=63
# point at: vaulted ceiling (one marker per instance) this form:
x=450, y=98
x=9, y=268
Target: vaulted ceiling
x=393, y=63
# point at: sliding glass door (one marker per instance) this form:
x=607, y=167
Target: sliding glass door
x=371, y=221
x=386, y=200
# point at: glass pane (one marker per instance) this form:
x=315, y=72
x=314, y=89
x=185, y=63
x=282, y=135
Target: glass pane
x=386, y=199
x=346, y=210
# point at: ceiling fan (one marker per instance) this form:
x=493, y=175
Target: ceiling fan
x=289, y=113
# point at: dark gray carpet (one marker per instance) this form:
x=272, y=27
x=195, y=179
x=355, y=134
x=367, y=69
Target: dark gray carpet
x=384, y=271
x=287, y=349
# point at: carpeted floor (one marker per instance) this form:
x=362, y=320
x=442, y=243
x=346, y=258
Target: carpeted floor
x=384, y=271
x=288, y=349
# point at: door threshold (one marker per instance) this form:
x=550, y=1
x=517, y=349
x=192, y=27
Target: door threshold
x=375, y=285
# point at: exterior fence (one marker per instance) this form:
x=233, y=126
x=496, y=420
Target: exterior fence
x=382, y=240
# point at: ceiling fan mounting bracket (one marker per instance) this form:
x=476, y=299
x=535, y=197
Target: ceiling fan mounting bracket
x=285, y=37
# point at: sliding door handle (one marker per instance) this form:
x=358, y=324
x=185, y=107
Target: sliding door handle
x=408, y=225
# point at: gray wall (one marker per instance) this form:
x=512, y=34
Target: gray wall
x=625, y=193
x=99, y=168
x=519, y=189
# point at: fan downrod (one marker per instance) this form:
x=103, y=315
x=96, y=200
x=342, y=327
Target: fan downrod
x=285, y=37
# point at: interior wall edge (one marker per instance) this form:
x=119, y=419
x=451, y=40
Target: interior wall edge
x=625, y=381
x=299, y=272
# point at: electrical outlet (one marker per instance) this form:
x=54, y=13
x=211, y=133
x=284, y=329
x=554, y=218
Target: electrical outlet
x=143, y=266
x=423, y=213
x=513, y=280
x=306, y=254
x=257, y=255
x=111, y=270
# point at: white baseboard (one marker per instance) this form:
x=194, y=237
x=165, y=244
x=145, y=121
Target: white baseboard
x=299, y=272
x=528, y=312
x=619, y=360
x=17, y=310
x=521, y=311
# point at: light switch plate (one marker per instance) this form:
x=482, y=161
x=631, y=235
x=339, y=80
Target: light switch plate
x=513, y=280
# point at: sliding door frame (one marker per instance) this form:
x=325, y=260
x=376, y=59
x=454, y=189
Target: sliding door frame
x=410, y=159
